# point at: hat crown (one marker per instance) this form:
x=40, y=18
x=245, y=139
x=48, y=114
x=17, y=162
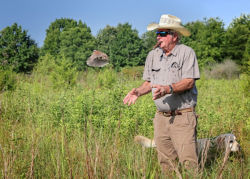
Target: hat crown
x=169, y=22
x=167, y=19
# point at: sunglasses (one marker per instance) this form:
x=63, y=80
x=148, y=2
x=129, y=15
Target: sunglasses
x=164, y=33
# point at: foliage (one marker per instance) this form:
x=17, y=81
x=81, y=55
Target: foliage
x=77, y=45
x=149, y=40
x=122, y=44
x=237, y=39
x=52, y=40
x=69, y=39
x=7, y=79
x=132, y=72
x=245, y=84
x=107, y=78
x=45, y=65
x=246, y=59
x=17, y=50
x=128, y=47
x=63, y=74
x=207, y=39
x=105, y=38
x=59, y=71
x=87, y=132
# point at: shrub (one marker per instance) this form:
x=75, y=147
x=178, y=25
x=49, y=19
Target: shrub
x=63, y=74
x=245, y=84
x=7, y=80
x=228, y=70
x=206, y=63
x=45, y=64
x=133, y=72
x=60, y=72
x=106, y=78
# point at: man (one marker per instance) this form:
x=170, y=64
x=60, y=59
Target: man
x=170, y=73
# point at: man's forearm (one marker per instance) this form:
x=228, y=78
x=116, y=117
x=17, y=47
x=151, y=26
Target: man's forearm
x=145, y=88
x=179, y=87
x=183, y=85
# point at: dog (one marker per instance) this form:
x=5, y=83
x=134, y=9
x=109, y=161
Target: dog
x=209, y=145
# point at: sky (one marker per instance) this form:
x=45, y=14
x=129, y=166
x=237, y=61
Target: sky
x=35, y=16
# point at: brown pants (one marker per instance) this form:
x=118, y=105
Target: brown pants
x=175, y=137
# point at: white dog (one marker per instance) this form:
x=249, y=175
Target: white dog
x=219, y=143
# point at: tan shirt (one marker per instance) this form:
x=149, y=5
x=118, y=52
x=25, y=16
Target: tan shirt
x=165, y=70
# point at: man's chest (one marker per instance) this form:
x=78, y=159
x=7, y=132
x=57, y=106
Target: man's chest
x=166, y=70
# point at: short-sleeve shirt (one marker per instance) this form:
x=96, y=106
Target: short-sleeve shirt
x=160, y=69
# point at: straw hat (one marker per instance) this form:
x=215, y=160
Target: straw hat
x=169, y=22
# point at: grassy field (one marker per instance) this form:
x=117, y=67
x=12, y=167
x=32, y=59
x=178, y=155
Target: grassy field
x=83, y=130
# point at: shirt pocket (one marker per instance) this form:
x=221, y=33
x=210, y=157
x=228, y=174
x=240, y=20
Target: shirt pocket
x=174, y=70
x=156, y=70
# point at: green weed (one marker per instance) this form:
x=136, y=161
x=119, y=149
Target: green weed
x=85, y=131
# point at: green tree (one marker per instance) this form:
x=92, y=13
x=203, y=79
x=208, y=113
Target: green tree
x=69, y=39
x=246, y=58
x=122, y=44
x=128, y=46
x=52, y=40
x=77, y=44
x=105, y=38
x=17, y=50
x=149, y=40
x=207, y=39
x=237, y=39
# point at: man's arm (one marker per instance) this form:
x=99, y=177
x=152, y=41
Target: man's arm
x=133, y=95
x=181, y=86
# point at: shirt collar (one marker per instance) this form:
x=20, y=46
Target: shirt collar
x=175, y=49
x=173, y=52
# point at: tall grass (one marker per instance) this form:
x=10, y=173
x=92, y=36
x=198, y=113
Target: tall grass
x=84, y=131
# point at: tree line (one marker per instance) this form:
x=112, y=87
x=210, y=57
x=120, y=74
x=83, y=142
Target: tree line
x=68, y=39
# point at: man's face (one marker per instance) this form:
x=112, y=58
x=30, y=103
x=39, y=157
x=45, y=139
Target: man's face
x=167, y=39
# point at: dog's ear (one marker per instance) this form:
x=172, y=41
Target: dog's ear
x=220, y=141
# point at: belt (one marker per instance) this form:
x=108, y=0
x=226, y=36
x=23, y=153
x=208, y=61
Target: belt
x=175, y=112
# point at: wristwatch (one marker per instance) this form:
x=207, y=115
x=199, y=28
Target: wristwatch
x=171, y=89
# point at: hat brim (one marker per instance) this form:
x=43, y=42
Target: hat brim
x=182, y=30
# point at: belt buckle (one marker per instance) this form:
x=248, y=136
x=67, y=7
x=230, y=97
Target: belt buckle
x=167, y=114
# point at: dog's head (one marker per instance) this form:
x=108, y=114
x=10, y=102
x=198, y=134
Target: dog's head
x=225, y=141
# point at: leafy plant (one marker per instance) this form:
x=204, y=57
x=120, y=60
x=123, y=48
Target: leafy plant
x=8, y=79
x=107, y=78
x=64, y=73
x=122, y=44
x=17, y=50
x=67, y=38
x=237, y=39
x=86, y=131
x=207, y=39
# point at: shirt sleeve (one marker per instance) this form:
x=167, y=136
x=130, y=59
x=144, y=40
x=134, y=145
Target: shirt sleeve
x=148, y=68
x=190, y=68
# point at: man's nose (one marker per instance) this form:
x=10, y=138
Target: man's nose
x=158, y=37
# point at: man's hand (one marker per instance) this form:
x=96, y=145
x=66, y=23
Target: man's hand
x=131, y=97
x=160, y=91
